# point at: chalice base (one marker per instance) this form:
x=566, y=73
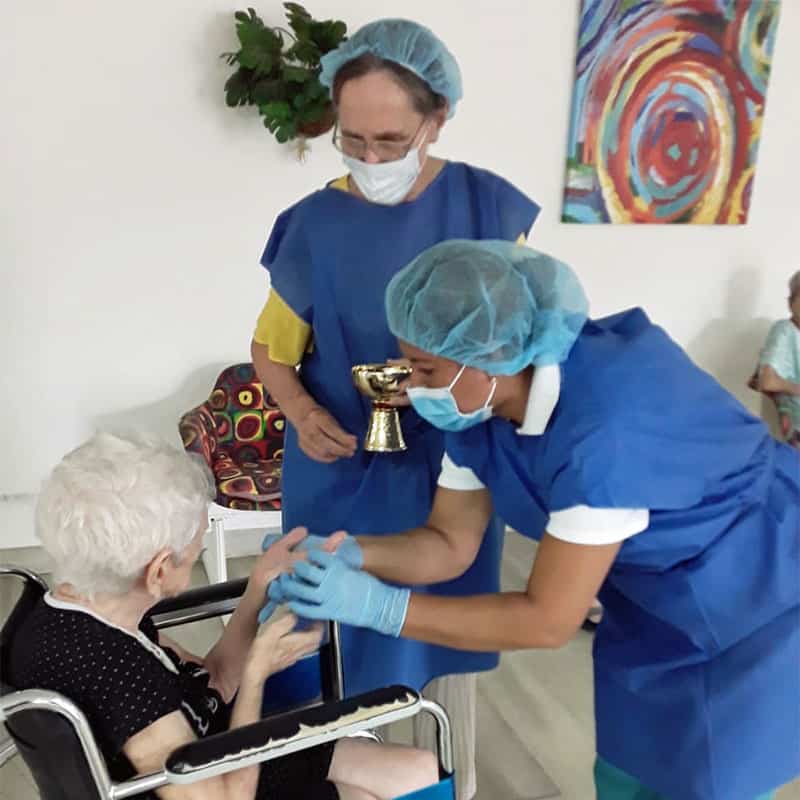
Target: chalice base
x=384, y=434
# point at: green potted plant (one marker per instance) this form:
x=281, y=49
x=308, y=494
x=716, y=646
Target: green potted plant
x=280, y=77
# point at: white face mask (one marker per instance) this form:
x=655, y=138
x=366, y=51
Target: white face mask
x=389, y=182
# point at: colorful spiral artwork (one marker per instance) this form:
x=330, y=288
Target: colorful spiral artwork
x=667, y=110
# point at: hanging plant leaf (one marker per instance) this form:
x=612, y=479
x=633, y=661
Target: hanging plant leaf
x=256, y=58
x=285, y=133
x=339, y=31
x=327, y=35
x=237, y=89
x=296, y=11
x=317, y=91
x=299, y=19
x=311, y=114
x=248, y=30
x=297, y=74
x=307, y=52
x=261, y=51
x=283, y=81
x=279, y=110
x=268, y=90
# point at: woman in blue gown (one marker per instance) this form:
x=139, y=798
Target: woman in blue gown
x=645, y=482
x=330, y=258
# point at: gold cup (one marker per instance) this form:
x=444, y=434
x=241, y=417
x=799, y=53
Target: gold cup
x=381, y=382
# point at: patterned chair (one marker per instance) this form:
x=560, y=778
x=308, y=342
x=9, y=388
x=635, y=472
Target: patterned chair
x=238, y=431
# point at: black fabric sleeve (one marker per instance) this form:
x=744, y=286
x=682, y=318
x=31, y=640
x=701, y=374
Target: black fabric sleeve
x=131, y=690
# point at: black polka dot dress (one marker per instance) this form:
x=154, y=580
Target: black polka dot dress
x=123, y=682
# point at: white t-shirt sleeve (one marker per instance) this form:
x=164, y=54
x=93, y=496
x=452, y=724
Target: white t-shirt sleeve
x=462, y=479
x=579, y=524
x=587, y=525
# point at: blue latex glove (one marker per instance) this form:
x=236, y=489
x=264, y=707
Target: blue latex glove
x=349, y=550
x=325, y=587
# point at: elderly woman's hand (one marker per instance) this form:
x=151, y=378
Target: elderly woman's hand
x=342, y=543
x=275, y=560
x=276, y=647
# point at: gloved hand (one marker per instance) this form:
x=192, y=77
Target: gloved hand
x=268, y=610
x=349, y=550
x=325, y=587
x=277, y=557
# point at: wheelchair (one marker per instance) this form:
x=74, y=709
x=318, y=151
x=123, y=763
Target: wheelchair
x=53, y=737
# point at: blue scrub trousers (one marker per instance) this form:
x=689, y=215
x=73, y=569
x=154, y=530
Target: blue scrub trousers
x=614, y=784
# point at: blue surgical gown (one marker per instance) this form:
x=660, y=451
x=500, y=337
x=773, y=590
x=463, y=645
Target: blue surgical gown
x=330, y=257
x=697, y=659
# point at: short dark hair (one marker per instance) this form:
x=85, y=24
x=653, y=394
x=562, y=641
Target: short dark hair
x=422, y=97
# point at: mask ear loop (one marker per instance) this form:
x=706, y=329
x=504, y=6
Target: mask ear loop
x=424, y=139
x=488, y=403
x=421, y=161
x=455, y=380
x=492, y=391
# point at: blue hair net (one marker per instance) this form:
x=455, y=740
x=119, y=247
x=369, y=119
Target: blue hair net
x=407, y=43
x=494, y=305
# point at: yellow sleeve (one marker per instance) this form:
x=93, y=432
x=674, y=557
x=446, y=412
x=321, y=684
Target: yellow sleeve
x=286, y=335
x=522, y=239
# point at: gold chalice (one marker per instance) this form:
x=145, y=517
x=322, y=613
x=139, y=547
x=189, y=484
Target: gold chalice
x=381, y=382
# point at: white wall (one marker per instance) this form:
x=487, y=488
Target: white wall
x=135, y=206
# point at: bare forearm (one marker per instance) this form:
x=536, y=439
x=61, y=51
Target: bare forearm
x=442, y=550
x=770, y=382
x=420, y=556
x=225, y=661
x=563, y=583
x=283, y=383
x=508, y=621
x=242, y=783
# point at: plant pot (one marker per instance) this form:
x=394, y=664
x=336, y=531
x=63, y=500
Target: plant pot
x=313, y=129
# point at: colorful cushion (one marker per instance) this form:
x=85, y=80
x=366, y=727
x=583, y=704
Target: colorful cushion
x=254, y=485
x=198, y=433
x=239, y=434
x=245, y=415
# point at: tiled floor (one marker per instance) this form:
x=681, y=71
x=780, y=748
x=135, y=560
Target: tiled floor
x=534, y=713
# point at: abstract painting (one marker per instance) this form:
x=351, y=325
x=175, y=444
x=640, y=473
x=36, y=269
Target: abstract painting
x=667, y=110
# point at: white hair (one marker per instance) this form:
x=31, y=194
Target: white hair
x=110, y=505
x=794, y=285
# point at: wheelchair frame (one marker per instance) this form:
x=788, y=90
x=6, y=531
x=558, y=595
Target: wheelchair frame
x=308, y=726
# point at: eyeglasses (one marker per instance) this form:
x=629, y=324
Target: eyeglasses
x=383, y=149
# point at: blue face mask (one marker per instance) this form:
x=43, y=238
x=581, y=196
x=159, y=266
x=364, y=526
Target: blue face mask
x=439, y=406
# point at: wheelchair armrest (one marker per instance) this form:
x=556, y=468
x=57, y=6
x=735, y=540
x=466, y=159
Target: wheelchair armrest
x=289, y=733
x=197, y=604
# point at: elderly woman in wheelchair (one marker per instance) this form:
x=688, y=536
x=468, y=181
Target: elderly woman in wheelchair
x=123, y=520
